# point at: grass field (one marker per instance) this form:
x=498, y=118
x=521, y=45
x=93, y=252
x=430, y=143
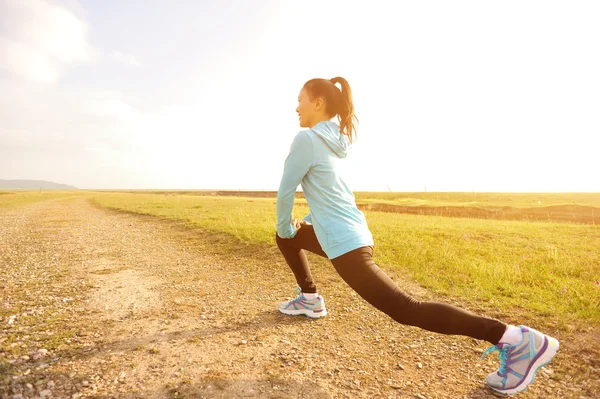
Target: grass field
x=203, y=271
x=550, y=207
x=519, y=200
x=539, y=269
x=11, y=199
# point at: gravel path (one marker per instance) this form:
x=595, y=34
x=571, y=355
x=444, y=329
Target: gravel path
x=96, y=303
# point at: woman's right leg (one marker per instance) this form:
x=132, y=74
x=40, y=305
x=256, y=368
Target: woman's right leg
x=293, y=252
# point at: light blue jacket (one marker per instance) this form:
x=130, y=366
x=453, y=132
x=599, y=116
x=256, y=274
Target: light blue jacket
x=315, y=159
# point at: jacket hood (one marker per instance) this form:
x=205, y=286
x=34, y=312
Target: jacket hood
x=330, y=133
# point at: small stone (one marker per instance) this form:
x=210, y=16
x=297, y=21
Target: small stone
x=46, y=393
x=400, y=366
x=71, y=375
x=29, y=386
x=17, y=396
x=419, y=396
x=50, y=384
x=202, y=317
x=27, y=372
x=25, y=357
x=85, y=383
x=419, y=365
x=243, y=342
x=43, y=351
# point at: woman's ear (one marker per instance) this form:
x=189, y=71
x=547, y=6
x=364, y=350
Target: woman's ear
x=319, y=103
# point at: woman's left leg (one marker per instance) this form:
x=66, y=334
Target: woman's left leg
x=523, y=350
x=361, y=273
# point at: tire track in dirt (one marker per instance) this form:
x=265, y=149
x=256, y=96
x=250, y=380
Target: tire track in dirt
x=155, y=311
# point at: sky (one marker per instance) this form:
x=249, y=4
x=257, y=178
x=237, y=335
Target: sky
x=451, y=96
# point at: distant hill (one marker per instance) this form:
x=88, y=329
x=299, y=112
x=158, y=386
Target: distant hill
x=33, y=185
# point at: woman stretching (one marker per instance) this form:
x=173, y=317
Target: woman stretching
x=336, y=229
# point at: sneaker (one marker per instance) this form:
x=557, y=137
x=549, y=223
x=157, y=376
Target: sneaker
x=314, y=308
x=520, y=362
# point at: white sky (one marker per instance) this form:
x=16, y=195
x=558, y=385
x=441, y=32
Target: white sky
x=451, y=96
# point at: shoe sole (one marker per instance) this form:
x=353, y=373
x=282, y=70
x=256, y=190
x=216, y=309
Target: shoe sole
x=543, y=360
x=308, y=313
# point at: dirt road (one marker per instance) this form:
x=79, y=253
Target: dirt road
x=96, y=303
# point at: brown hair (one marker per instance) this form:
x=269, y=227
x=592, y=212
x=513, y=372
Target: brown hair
x=337, y=102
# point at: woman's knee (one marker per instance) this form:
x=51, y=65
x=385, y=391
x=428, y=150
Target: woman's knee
x=408, y=302
x=281, y=242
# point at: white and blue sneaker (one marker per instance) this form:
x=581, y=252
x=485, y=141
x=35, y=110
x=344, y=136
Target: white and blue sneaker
x=313, y=308
x=520, y=362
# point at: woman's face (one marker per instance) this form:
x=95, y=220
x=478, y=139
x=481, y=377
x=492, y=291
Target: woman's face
x=308, y=111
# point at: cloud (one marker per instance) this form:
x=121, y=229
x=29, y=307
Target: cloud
x=50, y=117
x=125, y=58
x=39, y=41
x=26, y=61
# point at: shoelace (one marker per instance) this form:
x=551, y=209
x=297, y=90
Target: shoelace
x=298, y=295
x=502, y=354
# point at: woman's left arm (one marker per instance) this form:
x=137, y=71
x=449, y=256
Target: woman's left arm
x=297, y=164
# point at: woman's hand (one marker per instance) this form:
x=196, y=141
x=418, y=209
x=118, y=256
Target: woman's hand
x=297, y=223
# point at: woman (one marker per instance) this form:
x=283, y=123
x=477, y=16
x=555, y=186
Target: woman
x=336, y=229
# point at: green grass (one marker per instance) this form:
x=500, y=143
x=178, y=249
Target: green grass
x=547, y=268
x=484, y=200
x=433, y=199
x=12, y=199
x=544, y=269
x=541, y=269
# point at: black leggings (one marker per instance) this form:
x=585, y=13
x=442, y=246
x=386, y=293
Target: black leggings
x=358, y=269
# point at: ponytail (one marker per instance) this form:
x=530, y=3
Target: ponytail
x=345, y=109
x=337, y=102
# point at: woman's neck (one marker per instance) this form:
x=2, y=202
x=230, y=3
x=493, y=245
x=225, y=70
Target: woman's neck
x=319, y=121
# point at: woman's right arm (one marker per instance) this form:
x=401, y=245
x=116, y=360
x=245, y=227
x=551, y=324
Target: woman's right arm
x=297, y=165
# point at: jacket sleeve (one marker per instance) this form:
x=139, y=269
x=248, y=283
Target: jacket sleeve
x=308, y=218
x=297, y=164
